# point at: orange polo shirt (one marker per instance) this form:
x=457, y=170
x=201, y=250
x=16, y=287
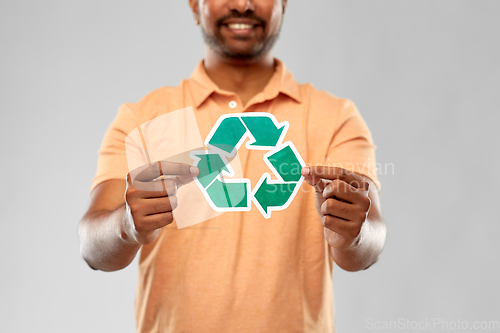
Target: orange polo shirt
x=240, y=272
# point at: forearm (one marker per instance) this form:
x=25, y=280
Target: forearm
x=104, y=242
x=365, y=251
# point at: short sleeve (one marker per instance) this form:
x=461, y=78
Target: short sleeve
x=352, y=145
x=112, y=158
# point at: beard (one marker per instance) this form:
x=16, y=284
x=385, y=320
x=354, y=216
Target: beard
x=219, y=45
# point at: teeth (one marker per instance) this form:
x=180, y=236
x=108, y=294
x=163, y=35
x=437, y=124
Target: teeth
x=240, y=26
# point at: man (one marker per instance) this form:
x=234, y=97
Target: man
x=240, y=272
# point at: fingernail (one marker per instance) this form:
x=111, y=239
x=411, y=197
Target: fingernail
x=305, y=171
x=193, y=170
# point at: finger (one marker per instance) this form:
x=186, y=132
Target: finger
x=339, y=189
x=342, y=191
x=332, y=173
x=156, y=221
x=312, y=180
x=342, y=227
x=153, y=206
x=321, y=185
x=339, y=209
x=183, y=180
x=157, y=188
x=318, y=183
x=336, y=240
x=160, y=168
x=177, y=182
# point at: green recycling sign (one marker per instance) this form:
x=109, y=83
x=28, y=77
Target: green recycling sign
x=264, y=133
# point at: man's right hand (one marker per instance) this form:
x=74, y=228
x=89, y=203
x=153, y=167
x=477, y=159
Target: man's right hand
x=150, y=198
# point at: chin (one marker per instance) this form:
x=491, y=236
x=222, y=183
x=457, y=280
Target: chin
x=242, y=54
x=246, y=58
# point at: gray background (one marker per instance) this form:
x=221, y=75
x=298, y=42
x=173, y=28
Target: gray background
x=424, y=74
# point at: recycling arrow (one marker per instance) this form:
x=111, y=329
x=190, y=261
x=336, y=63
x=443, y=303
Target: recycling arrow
x=224, y=194
x=263, y=130
x=210, y=166
x=228, y=135
x=264, y=133
x=286, y=163
x=228, y=195
x=273, y=195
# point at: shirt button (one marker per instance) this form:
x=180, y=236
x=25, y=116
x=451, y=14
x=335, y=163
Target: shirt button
x=233, y=105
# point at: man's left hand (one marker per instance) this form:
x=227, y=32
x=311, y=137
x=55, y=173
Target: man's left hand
x=342, y=202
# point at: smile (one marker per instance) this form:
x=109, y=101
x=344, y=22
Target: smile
x=240, y=26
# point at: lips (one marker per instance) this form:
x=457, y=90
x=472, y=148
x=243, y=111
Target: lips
x=241, y=23
x=240, y=26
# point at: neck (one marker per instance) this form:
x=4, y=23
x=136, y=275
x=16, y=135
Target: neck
x=244, y=78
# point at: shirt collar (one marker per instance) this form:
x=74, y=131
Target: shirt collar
x=282, y=81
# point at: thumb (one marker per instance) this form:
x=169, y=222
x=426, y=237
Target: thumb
x=184, y=180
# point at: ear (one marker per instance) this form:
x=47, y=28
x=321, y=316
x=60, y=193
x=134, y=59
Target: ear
x=284, y=5
x=195, y=8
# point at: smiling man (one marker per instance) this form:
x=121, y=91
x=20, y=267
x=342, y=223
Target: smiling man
x=239, y=272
